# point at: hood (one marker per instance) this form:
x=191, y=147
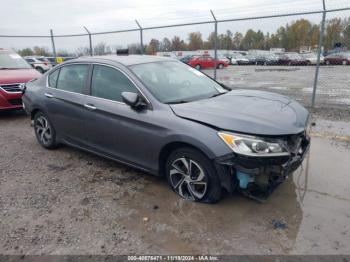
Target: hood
x=249, y=112
x=18, y=76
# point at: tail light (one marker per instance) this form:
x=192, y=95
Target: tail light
x=45, y=63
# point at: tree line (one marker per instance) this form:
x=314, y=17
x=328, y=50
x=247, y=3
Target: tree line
x=291, y=37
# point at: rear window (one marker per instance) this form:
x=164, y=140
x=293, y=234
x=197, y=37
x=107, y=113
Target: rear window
x=10, y=60
x=53, y=78
x=72, y=78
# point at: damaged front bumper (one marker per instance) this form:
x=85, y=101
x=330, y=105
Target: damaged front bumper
x=257, y=177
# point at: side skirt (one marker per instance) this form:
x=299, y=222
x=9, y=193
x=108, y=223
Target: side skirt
x=106, y=156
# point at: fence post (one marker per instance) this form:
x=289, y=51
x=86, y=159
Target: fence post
x=90, y=42
x=53, y=45
x=141, y=36
x=319, y=50
x=215, y=43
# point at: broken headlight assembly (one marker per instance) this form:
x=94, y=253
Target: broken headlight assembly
x=253, y=146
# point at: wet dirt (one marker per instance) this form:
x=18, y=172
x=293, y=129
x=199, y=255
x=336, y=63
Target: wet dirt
x=66, y=201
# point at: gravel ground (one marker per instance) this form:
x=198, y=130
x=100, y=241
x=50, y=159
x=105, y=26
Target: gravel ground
x=333, y=90
x=66, y=201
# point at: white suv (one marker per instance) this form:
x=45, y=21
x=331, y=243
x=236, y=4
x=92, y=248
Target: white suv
x=40, y=63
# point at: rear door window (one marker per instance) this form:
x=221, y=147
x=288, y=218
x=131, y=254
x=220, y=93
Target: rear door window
x=72, y=78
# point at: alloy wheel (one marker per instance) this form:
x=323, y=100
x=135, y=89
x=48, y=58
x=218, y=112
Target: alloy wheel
x=43, y=130
x=188, y=179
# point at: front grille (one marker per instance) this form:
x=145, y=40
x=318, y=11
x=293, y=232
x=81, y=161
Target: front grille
x=12, y=88
x=15, y=102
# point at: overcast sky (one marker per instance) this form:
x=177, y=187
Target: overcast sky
x=27, y=17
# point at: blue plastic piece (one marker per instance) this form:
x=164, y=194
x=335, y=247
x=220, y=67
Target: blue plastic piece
x=244, y=179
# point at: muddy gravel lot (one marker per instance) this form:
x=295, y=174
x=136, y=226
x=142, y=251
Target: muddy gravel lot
x=333, y=89
x=66, y=201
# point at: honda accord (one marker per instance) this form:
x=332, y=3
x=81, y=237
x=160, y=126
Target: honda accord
x=167, y=118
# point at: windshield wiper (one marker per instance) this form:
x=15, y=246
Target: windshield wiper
x=177, y=102
x=218, y=94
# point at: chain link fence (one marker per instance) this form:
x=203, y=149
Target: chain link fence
x=303, y=83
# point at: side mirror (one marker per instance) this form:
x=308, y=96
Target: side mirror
x=133, y=100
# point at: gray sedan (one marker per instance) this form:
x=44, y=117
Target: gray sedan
x=166, y=118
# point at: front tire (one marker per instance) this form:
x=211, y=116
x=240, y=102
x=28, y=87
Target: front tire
x=220, y=66
x=198, y=67
x=44, y=131
x=192, y=176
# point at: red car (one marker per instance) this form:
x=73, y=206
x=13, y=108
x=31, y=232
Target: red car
x=14, y=71
x=342, y=58
x=202, y=62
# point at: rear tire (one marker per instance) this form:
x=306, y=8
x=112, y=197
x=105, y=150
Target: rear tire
x=44, y=131
x=192, y=176
x=344, y=62
x=327, y=62
x=220, y=66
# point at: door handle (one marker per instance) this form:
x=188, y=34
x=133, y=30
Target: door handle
x=49, y=95
x=91, y=107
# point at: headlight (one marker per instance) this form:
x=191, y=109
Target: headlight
x=253, y=146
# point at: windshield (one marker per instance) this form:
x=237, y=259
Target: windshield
x=174, y=82
x=12, y=61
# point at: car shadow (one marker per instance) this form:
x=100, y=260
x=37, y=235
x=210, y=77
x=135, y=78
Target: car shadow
x=11, y=114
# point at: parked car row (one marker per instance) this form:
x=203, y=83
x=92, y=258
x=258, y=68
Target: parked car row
x=267, y=58
x=40, y=63
x=43, y=63
x=204, y=61
x=342, y=58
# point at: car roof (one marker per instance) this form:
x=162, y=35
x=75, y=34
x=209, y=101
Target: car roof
x=126, y=60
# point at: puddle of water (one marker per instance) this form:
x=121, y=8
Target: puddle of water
x=277, y=87
x=314, y=205
x=277, y=69
x=323, y=191
x=343, y=101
